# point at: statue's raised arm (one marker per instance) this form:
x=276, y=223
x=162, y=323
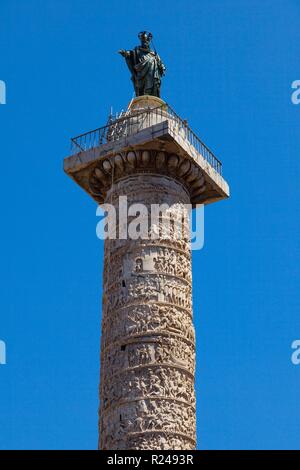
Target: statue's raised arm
x=145, y=66
x=124, y=53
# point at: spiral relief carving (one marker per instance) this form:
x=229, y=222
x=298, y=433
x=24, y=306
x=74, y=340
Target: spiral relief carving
x=147, y=398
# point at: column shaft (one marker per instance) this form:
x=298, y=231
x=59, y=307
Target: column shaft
x=147, y=398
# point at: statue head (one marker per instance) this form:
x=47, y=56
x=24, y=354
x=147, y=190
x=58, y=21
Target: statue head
x=145, y=39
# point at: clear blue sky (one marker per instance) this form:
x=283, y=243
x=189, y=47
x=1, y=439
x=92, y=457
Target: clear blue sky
x=230, y=68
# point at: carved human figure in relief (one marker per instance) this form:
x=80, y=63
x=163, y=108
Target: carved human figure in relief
x=145, y=66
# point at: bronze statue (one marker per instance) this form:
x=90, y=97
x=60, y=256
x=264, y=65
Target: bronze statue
x=145, y=66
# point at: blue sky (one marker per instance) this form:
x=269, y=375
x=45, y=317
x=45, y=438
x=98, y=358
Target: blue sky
x=230, y=65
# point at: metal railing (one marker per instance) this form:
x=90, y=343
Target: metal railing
x=136, y=121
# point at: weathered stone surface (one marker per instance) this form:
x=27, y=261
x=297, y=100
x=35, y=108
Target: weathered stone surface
x=158, y=141
x=147, y=397
x=148, y=351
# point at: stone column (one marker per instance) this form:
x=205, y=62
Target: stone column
x=150, y=155
x=147, y=398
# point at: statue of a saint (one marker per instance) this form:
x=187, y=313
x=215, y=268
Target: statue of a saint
x=145, y=66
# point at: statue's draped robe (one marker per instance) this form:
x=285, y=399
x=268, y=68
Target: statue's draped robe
x=146, y=70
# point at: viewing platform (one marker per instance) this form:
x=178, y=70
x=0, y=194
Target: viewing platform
x=149, y=124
